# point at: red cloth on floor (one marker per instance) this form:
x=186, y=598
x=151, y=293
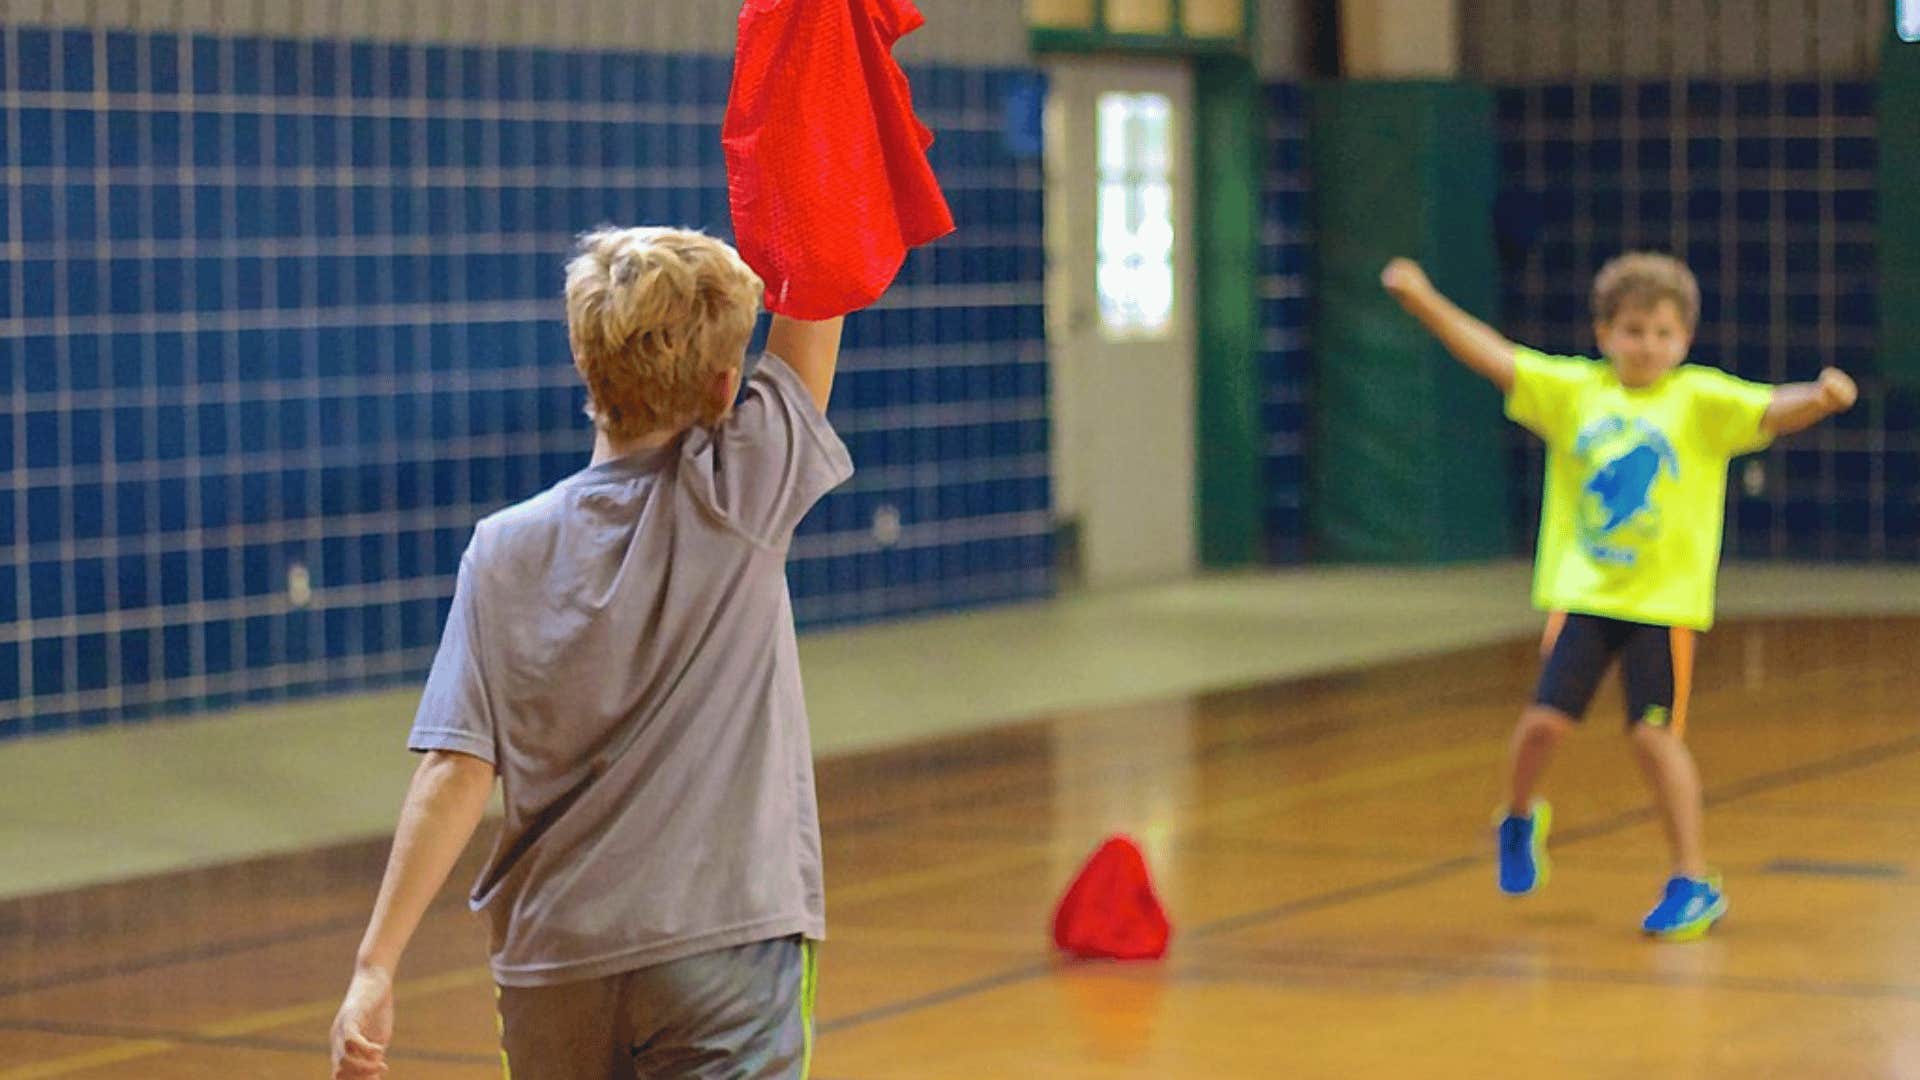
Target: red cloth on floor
x=1110, y=910
x=827, y=168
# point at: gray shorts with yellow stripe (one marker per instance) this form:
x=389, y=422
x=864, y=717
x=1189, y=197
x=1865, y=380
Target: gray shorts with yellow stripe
x=744, y=1012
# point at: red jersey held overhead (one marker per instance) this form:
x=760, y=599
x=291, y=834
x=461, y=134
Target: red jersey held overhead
x=827, y=171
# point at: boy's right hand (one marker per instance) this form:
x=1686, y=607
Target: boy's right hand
x=1403, y=278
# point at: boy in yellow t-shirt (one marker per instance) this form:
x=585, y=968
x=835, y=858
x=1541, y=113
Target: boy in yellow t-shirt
x=1630, y=526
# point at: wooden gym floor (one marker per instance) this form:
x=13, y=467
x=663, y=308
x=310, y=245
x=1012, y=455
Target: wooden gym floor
x=1323, y=847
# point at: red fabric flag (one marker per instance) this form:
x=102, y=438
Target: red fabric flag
x=827, y=170
x=1110, y=910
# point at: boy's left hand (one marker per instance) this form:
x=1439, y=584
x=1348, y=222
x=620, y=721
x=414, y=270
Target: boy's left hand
x=363, y=1027
x=1837, y=391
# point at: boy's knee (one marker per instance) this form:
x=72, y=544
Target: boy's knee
x=1652, y=737
x=1542, y=724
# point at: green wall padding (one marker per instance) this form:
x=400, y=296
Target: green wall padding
x=1899, y=211
x=1408, y=462
x=1227, y=144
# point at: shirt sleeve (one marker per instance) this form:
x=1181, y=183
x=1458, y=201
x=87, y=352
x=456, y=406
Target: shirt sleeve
x=456, y=712
x=1543, y=392
x=1728, y=410
x=775, y=456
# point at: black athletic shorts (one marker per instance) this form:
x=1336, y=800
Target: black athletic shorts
x=1656, y=667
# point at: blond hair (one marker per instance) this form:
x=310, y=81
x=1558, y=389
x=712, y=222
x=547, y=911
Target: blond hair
x=1641, y=279
x=654, y=315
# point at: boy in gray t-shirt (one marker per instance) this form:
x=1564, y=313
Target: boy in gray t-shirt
x=621, y=654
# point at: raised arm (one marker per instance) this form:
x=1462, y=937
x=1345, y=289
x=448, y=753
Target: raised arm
x=812, y=349
x=1798, y=406
x=444, y=805
x=1479, y=346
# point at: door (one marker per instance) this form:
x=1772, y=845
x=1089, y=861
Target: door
x=1119, y=315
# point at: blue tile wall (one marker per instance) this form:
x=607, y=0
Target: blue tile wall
x=1286, y=359
x=1767, y=190
x=275, y=304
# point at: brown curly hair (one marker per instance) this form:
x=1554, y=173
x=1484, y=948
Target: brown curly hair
x=1641, y=279
x=653, y=316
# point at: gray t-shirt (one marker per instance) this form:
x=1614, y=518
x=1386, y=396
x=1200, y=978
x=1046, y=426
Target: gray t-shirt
x=621, y=648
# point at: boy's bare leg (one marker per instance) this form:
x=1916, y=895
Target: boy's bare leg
x=1534, y=740
x=1668, y=766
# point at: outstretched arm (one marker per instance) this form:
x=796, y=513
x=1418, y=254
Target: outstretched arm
x=1479, y=346
x=812, y=349
x=444, y=805
x=1798, y=406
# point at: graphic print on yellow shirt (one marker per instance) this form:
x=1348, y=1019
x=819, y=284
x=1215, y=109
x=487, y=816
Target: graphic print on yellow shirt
x=1636, y=481
x=1630, y=464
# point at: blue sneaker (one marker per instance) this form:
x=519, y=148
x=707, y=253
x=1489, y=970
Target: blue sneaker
x=1523, y=850
x=1688, y=910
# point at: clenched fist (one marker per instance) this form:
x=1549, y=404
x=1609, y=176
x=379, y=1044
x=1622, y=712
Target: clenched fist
x=1837, y=391
x=1403, y=278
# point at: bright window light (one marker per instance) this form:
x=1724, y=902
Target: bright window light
x=1135, y=208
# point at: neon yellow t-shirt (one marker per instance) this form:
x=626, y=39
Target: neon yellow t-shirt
x=1636, y=490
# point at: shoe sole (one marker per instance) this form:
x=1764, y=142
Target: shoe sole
x=1696, y=929
x=1542, y=866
